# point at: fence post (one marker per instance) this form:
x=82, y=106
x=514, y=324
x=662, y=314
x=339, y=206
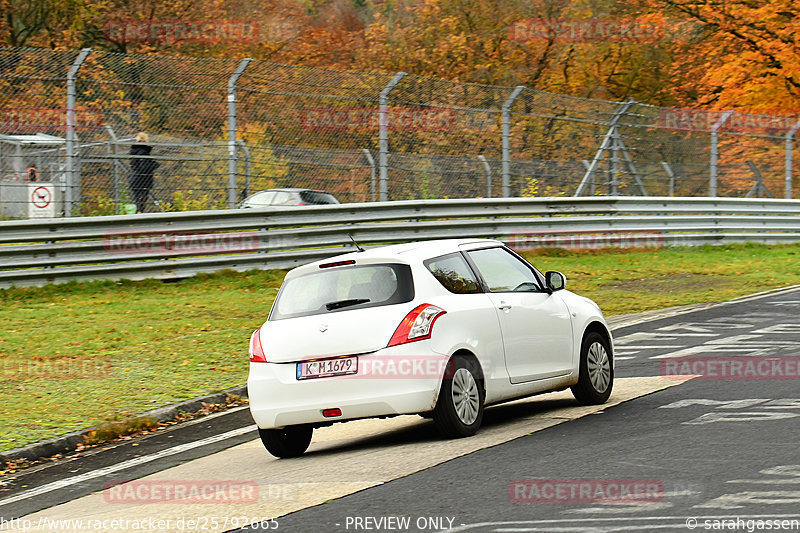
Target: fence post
x=232, y=160
x=488, y=170
x=71, y=196
x=609, y=141
x=712, y=180
x=614, y=181
x=788, y=175
x=371, y=161
x=506, y=169
x=383, y=135
x=759, y=186
x=668, y=170
x=243, y=147
x=113, y=153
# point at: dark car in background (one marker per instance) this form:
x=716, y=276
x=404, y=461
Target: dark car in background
x=288, y=196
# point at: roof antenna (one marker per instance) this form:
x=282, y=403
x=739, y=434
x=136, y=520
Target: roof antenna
x=359, y=248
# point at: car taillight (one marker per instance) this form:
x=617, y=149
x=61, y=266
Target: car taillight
x=417, y=325
x=257, y=354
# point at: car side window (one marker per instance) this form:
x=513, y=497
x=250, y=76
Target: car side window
x=453, y=272
x=261, y=198
x=281, y=197
x=503, y=271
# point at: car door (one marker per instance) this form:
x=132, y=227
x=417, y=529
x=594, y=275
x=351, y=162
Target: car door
x=536, y=325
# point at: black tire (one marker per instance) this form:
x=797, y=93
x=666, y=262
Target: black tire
x=291, y=441
x=596, y=377
x=460, y=413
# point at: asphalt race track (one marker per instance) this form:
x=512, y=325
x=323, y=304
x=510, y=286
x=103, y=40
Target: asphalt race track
x=717, y=452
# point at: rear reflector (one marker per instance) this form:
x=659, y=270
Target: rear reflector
x=338, y=263
x=328, y=413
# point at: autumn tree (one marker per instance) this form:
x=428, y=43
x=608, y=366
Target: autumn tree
x=744, y=55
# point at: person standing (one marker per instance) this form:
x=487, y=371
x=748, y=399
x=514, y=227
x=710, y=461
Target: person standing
x=142, y=169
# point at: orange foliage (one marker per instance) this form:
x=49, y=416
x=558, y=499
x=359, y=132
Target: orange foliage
x=736, y=54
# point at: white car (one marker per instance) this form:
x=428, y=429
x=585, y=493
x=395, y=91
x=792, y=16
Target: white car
x=438, y=328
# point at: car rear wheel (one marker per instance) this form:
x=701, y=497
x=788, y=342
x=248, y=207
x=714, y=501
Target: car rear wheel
x=596, y=377
x=459, y=409
x=291, y=441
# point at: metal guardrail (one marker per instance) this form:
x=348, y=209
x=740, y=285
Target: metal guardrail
x=175, y=245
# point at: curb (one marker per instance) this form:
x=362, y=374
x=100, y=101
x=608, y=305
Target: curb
x=69, y=442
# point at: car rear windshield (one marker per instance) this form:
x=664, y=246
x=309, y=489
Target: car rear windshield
x=317, y=197
x=342, y=288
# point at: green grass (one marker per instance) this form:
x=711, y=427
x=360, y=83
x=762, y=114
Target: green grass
x=142, y=345
x=79, y=355
x=633, y=281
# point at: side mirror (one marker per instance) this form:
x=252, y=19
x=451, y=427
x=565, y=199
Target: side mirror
x=555, y=280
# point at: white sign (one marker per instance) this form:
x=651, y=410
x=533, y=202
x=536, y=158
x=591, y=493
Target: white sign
x=41, y=200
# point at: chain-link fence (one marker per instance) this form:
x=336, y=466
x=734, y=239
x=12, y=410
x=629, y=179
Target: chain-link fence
x=220, y=130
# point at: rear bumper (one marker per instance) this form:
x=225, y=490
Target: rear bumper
x=398, y=380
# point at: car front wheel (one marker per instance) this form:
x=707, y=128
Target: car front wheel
x=291, y=441
x=459, y=409
x=596, y=377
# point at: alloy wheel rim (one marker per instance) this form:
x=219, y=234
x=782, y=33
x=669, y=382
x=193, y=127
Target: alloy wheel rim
x=599, y=367
x=465, y=395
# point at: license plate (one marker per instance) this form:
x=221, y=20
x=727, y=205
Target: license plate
x=327, y=367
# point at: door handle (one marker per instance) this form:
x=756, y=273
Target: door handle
x=504, y=306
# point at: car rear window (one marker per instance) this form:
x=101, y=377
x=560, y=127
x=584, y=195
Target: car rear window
x=331, y=290
x=317, y=197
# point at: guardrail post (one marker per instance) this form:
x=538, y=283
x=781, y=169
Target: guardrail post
x=712, y=180
x=371, y=161
x=232, y=160
x=609, y=141
x=788, y=175
x=488, y=170
x=73, y=197
x=383, y=135
x=506, y=169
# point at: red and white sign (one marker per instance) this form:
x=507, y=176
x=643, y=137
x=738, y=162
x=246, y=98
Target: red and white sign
x=41, y=204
